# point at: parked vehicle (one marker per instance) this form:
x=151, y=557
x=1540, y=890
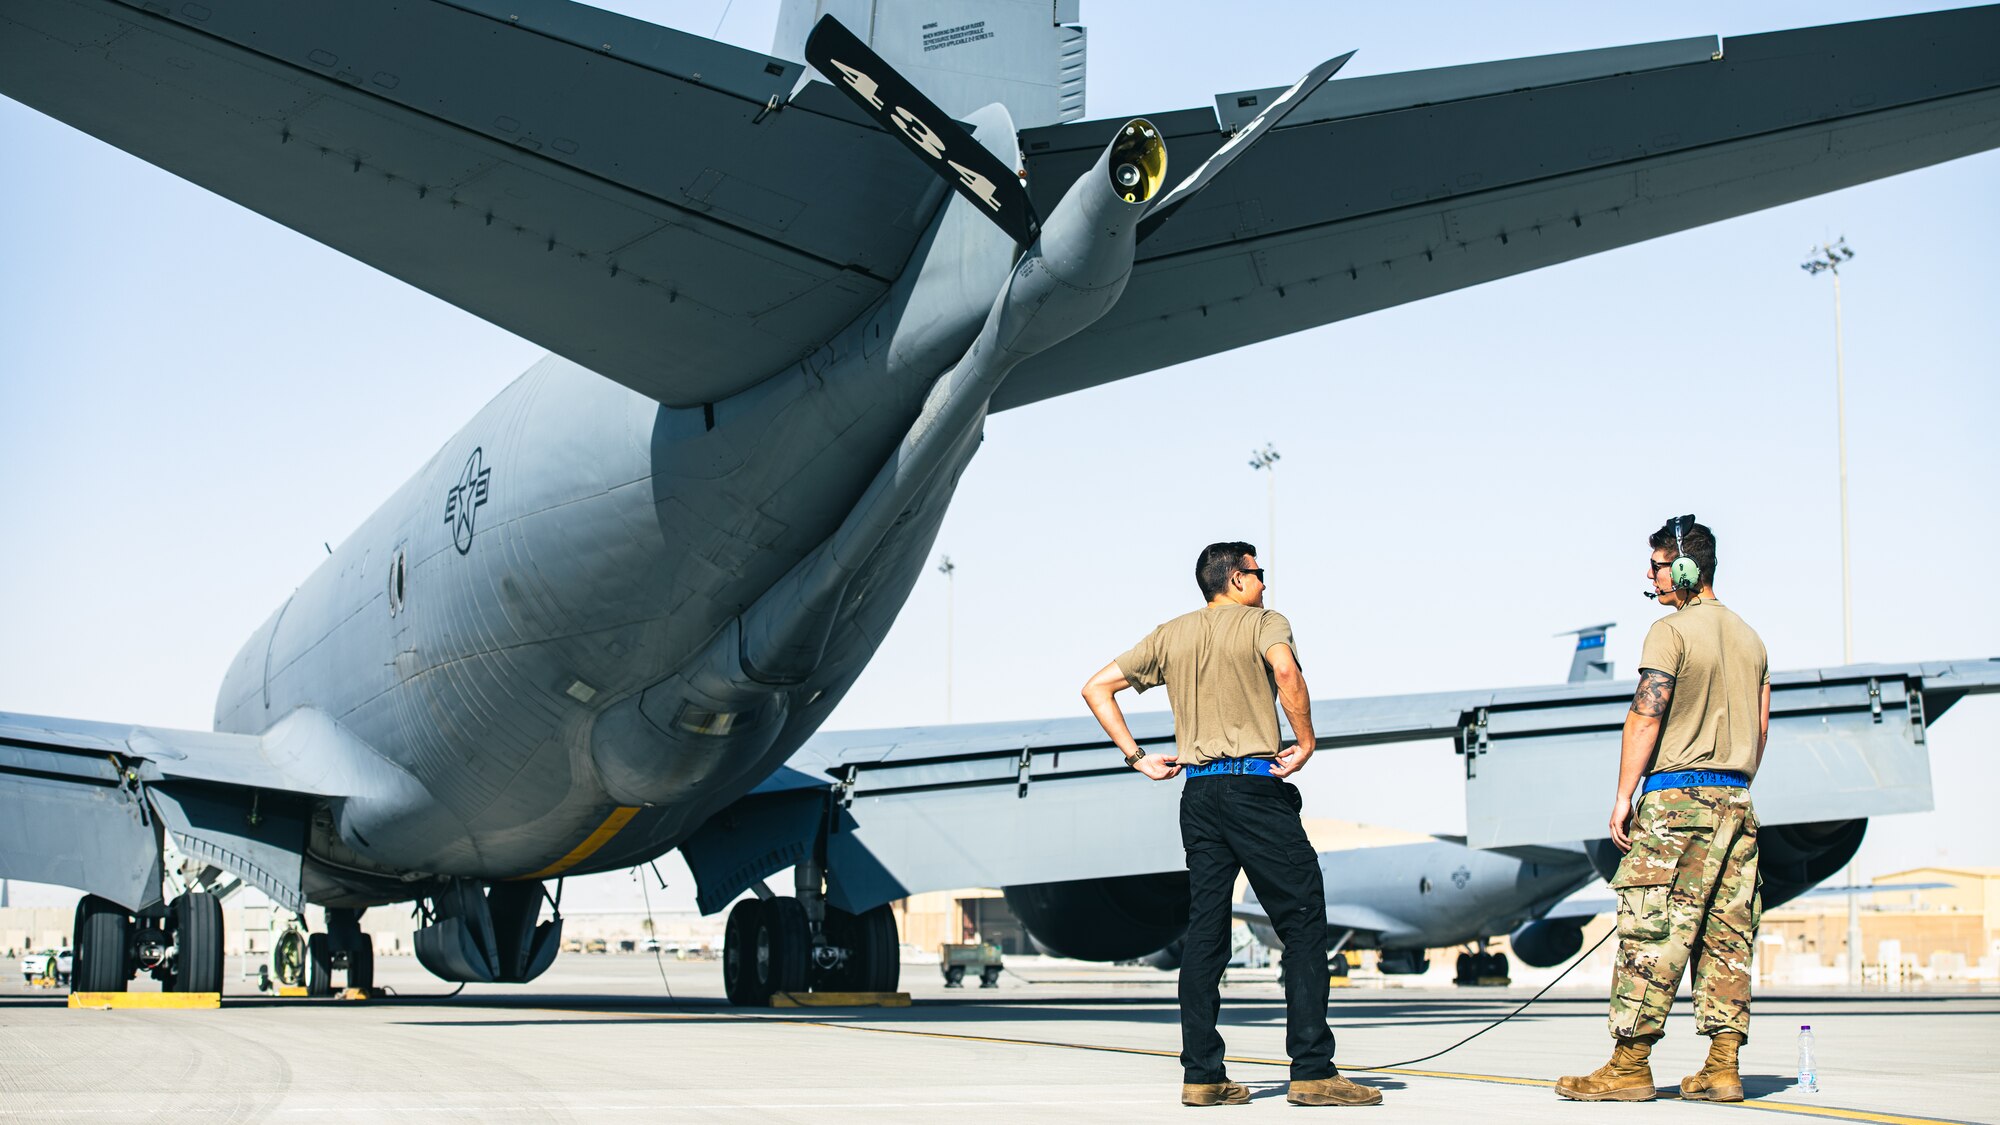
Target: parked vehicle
x=49, y=965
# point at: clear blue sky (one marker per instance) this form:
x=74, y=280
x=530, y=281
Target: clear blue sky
x=194, y=399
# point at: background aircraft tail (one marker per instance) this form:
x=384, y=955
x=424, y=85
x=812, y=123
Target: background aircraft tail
x=1589, y=662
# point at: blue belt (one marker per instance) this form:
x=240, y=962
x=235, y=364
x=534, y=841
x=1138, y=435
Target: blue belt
x=1689, y=779
x=1221, y=766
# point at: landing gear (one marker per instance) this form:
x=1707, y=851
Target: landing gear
x=103, y=940
x=196, y=917
x=739, y=955
x=1336, y=966
x=1403, y=961
x=872, y=961
x=319, y=965
x=179, y=944
x=768, y=947
x=1481, y=968
x=347, y=947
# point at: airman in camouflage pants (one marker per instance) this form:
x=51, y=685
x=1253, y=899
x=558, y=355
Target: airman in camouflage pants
x=1687, y=889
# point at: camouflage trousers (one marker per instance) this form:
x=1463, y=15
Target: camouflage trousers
x=1687, y=892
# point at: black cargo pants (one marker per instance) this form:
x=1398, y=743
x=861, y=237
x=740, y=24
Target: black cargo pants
x=1248, y=821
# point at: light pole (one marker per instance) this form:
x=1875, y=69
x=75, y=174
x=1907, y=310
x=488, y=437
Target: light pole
x=946, y=567
x=1266, y=460
x=1828, y=257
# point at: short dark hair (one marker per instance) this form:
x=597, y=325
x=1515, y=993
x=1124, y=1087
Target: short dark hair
x=1217, y=564
x=1697, y=542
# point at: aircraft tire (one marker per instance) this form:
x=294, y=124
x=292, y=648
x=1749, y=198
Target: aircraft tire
x=877, y=959
x=739, y=955
x=319, y=966
x=361, y=963
x=103, y=932
x=1496, y=965
x=198, y=938
x=784, y=944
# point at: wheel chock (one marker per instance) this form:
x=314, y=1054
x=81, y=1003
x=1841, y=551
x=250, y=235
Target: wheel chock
x=150, y=1000
x=292, y=990
x=840, y=1000
x=360, y=994
x=1340, y=982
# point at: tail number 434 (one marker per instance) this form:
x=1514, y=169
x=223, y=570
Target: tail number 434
x=920, y=134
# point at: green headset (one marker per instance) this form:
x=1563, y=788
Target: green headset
x=1685, y=572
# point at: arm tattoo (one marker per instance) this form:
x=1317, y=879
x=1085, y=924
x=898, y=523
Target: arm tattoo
x=1656, y=690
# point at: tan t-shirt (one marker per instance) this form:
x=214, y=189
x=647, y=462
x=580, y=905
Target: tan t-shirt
x=1719, y=668
x=1223, y=694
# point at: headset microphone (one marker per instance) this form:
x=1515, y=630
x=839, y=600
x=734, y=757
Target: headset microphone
x=1652, y=595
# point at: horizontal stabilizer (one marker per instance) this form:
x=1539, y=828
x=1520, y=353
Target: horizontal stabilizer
x=1386, y=189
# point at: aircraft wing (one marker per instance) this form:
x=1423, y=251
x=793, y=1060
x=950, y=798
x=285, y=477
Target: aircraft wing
x=1592, y=907
x=1003, y=804
x=1387, y=189
x=1360, y=918
x=90, y=805
x=639, y=200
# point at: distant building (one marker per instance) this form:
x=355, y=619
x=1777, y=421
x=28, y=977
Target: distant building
x=1949, y=932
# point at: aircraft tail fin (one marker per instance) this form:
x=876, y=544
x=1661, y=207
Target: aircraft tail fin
x=1588, y=663
x=1025, y=54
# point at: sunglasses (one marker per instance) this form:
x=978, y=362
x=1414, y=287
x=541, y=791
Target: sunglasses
x=1655, y=566
x=1259, y=572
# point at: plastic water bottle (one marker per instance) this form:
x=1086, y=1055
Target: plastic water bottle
x=1808, y=1069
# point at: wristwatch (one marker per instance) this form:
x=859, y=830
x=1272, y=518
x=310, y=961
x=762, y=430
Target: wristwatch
x=1132, y=759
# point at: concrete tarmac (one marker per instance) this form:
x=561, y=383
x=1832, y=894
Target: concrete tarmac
x=598, y=1039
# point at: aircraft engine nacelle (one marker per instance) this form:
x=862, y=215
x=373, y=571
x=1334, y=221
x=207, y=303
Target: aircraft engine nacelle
x=1792, y=858
x=1120, y=918
x=1549, y=942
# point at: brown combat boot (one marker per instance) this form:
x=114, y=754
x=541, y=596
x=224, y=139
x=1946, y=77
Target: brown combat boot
x=1628, y=1077
x=1331, y=1091
x=1214, y=1093
x=1718, y=1080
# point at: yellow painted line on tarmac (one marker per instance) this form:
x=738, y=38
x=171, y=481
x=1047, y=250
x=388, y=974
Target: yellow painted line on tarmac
x=591, y=843
x=1833, y=1112
x=1501, y=1079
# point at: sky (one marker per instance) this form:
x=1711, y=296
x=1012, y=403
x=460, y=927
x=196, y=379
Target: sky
x=194, y=400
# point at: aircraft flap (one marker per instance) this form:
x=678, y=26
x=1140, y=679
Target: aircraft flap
x=259, y=836
x=1003, y=804
x=82, y=803
x=1846, y=743
x=77, y=821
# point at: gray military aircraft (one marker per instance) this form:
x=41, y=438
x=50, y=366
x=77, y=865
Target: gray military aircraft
x=607, y=617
